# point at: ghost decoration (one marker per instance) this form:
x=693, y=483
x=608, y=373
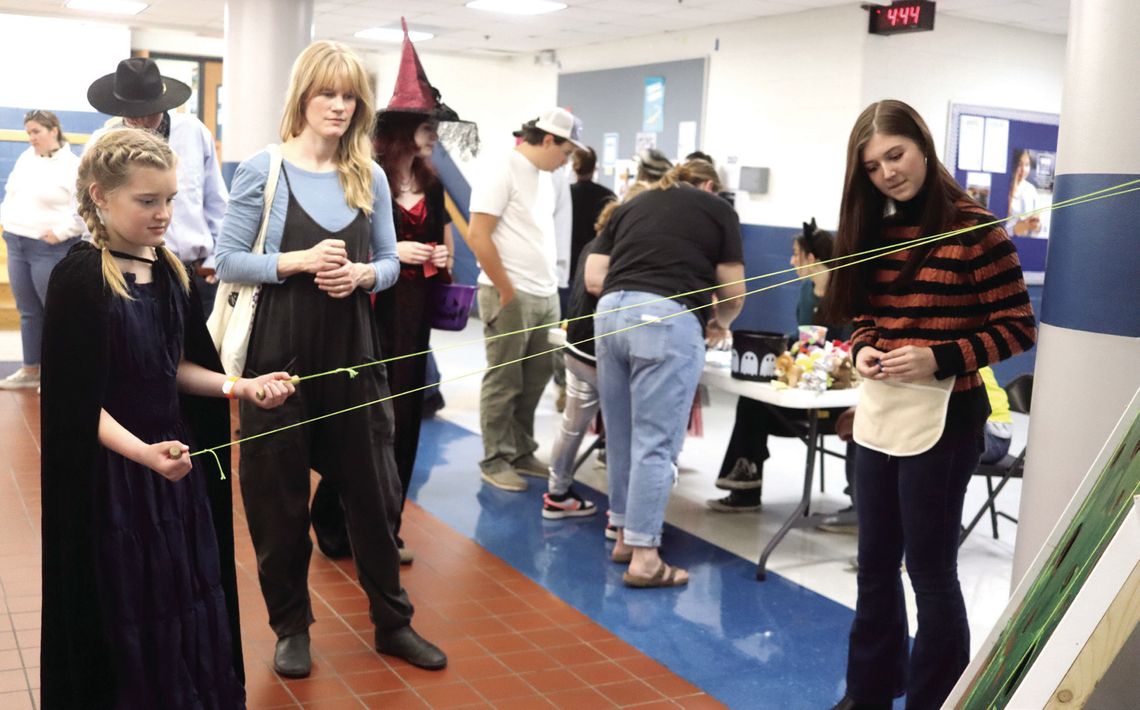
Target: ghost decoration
x=768, y=366
x=750, y=364
x=735, y=360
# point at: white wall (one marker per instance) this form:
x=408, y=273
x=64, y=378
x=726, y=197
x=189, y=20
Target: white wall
x=783, y=92
x=49, y=63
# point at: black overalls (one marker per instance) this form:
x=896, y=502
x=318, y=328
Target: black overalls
x=300, y=329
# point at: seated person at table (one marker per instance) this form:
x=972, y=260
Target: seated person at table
x=999, y=425
x=742, y=472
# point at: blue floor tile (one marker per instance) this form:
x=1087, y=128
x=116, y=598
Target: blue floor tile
x=748, y=644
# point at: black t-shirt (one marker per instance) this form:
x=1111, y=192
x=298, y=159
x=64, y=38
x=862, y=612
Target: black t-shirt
x=582, y=303
x=587, y=198
x=667, y=242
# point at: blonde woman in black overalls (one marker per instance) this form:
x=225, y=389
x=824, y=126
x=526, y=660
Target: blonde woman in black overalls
x=330, y=242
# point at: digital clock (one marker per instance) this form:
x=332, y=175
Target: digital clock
x=901, y=16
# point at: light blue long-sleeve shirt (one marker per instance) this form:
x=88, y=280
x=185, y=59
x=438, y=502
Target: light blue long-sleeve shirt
x=321, y=196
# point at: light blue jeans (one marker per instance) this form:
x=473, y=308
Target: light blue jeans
x=647, y=377
x=30, y=262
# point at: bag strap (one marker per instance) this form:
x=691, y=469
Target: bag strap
x=270, y=190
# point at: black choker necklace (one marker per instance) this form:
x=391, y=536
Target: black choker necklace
x=132, y=257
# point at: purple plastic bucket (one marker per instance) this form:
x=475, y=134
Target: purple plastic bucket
x=452, y=306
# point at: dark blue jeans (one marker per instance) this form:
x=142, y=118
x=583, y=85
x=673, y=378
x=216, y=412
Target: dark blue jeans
x=911, y=505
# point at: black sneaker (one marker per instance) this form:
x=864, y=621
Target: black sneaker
x=569, y=505
x=735, y=502
x=744, y=476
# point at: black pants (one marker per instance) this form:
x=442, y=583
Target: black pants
x=352, y=451
x=755, y=421
x=911, y=505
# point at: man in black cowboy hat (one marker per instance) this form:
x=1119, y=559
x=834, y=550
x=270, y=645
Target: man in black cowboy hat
x=139, y=95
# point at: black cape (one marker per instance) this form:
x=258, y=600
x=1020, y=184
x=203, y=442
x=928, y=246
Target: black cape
x=75, y=658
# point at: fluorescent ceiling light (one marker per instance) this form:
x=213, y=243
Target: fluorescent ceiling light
x=113, y=7
x=517, y=7
x=391, y=34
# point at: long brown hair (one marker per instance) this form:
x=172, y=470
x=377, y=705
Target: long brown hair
x=861, y=212
x=393, y=140
x=692, y=172
x=108, y=164
x=325, y=64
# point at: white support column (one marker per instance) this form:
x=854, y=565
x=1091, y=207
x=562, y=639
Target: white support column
x=1088, y=361
x=263, y=37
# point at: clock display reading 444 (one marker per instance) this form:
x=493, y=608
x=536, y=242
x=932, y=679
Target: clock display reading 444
x=901, y=16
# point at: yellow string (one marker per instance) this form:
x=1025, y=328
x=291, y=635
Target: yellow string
x=919, y=241
x=848, y=261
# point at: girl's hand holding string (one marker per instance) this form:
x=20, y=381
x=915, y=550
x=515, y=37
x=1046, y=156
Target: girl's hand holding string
x=342, y=281
x=161, y=459
x=268, y=391
x=412, y=252
x=908, y=363
x=869, y=363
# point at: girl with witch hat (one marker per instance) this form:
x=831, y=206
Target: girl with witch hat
x=406, y=133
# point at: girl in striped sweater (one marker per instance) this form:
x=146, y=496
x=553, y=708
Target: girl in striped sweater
x=922, y=317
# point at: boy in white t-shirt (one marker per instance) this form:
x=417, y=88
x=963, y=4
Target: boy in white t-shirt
x=512, y=235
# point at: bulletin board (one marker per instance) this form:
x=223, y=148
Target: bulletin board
x=985, y=146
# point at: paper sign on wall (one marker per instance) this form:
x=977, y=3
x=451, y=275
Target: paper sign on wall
x=609, y=149
x=654, y=113
x=996, y=152
x=686, y=138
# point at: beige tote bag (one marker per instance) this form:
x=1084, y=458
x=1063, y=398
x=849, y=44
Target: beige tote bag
x=231, y=321
x=902, y=418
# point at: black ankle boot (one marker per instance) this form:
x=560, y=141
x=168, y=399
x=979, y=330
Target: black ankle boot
x=291, y=658
x=405, y=643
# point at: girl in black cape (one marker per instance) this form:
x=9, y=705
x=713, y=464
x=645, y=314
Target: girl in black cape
x=139, y=592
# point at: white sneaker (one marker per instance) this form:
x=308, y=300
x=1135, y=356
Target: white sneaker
x=20, y=380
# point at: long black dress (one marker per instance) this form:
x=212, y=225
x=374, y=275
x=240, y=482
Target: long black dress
x=139, y=595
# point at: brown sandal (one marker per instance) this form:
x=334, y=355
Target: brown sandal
x=665, y=576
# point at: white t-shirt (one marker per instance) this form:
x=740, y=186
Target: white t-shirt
x=522, y=197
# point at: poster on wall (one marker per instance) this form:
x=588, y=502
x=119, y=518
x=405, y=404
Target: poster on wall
x=609, y=149
x=1006, y=159
x=625, y=174
x=644, y=141
x=653, y=119
x=686, y=138
x=978, y=187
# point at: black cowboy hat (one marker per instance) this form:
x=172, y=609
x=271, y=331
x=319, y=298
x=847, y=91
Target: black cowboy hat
x=136, y=89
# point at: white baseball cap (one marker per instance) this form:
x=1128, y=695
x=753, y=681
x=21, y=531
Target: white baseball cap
x=560, y=122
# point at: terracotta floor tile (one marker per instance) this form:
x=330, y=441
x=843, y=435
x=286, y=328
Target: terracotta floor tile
x=317, y=687
x=550, y=638
x=629, y=692
x=505, y=605
x=576, y=655
x=528, y=621
x=532, y=703
x=655, y=705
x=643, y=666
x=502, y=688
x=335, y=704
x=672, y=686
x=464, y=648
x=13, y=680
x=600, y=673
x=553, y=681
x=16, y=701
x=349, y=605
x=579, y=699
x=505, y=643
x=699, y=702
x=10, y=660
x=462, y=611
x=395, y=700
x=523, y=661
x=356, y=662
x=417, y=678
x=265, y=695
x=374, y=681
x=333, y=644
x=478, y=667
x=615, y=648
x=450, y=695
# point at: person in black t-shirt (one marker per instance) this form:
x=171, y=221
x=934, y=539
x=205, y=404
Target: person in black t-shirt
x=675, y=238
x=587, y=199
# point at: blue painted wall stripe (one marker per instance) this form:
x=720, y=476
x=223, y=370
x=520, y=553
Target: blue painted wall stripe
x=1093, y=265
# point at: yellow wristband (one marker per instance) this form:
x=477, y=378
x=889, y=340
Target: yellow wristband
x=228, y=387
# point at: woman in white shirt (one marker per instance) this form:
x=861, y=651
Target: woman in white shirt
x=1022, y=198
x=40, y=219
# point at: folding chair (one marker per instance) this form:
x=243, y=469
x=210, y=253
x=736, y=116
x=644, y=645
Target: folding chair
x=1019, y=391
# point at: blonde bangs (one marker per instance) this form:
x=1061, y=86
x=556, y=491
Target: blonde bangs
x=331, y=65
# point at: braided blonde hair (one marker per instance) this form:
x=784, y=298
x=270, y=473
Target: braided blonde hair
x=108, y=164
x=326, y=64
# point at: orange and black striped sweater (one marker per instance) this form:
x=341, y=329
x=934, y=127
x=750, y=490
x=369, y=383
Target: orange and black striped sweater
x=967, y=301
